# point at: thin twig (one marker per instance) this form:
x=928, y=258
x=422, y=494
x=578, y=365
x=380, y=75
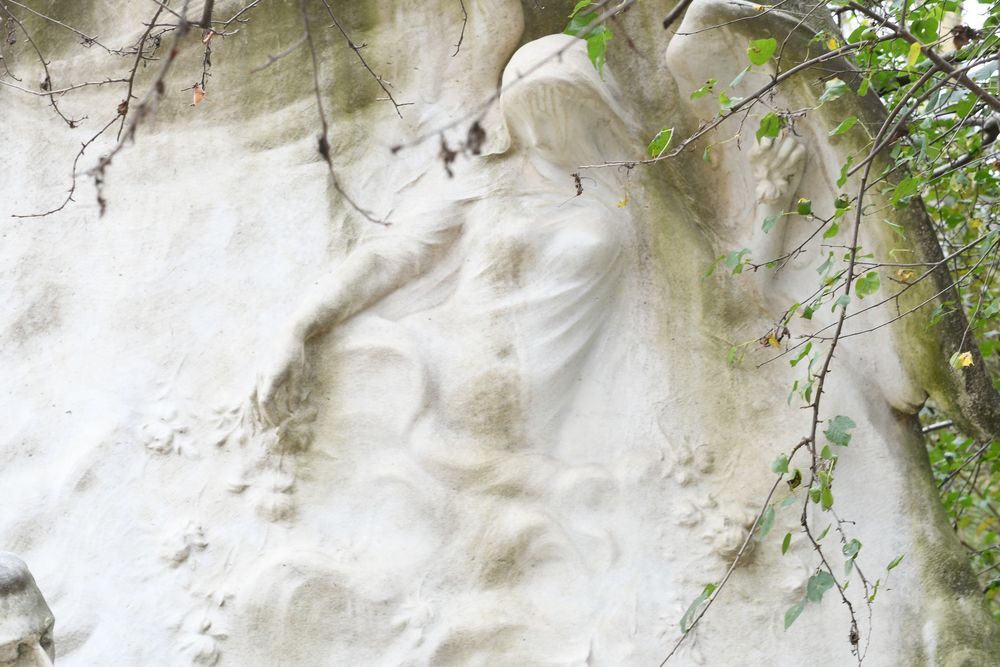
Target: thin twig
x=465, y=22
x=324, y=141
x=357, y=51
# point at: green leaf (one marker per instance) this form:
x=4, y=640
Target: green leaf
x=761, y=50
x=838, y=431
x=819, y=584
x=766, y=522
x=843, y=301
x=739, y=77
x=895, y=561
x=580, y=5
x=826, y=498
x=827, y=453
x=795, y=362
x=597, y=47
x=692, y=610
x=863, y=88
x=852, y=548
x=804, y=206
x=825, y=266
x=785, y=543
x=704, y=90
x=824, y=533
x=770, y=222
x=794, y=612
x=796, y=479
x=578, y=22
x=843, y=171
x=835, y=88
x=780, y=464
x=897, y=229
x=660, y=142
x=770, y=126
x=906, y=188
x=844, y=126
x=726, y=103
x=867, y=284
x=831, y=231
x=734, y=260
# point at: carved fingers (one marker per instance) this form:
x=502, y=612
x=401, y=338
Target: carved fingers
x=777, y=167
x=281, y=386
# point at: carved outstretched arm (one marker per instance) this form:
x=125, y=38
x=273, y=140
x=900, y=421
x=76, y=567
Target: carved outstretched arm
x=376, y=268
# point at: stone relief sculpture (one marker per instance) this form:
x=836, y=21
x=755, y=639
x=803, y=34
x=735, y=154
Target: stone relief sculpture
x=26, y=623
x=498, y=431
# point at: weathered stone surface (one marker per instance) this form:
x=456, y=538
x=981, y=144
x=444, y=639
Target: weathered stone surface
x=246, y=426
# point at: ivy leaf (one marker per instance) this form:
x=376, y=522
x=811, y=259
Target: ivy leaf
x=761, y=50
x=835, y=88
x=906, y=188
x=770, y=125
x=692, y=610
x=843, y=171
x=597, y=47
x=819, y=584
x=867, y=284
x=825, y=266
x=852, y=548
x=826, y=498
x=704, y=90
x=838, y=431
x=734, y=260
x=660, y=142
x=844, y=126
x=844, y=300
x=766, y=523
x=794, y=612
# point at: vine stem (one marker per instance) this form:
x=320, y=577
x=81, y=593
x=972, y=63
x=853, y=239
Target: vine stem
x=736, y=559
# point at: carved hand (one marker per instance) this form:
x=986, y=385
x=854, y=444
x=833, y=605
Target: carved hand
x=281, y=387
x=777, y=168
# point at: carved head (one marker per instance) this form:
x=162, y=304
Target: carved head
x=25, y=619
x=556, y=104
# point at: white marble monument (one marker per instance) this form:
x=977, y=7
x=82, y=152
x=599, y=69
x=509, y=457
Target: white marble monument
x=247, y=427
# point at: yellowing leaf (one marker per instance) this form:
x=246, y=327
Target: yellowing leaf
x=623, y=203
x=905, y=275
x=914, y=54
x=772, y=340
x=961, y=360
x=831, y=43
